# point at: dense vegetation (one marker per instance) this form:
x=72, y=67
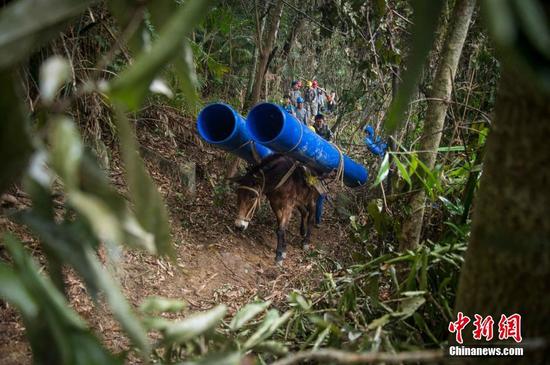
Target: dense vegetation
x=76, y=77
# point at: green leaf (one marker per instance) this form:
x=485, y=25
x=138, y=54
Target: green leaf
x=232, y=358
x=247, y=313
x=409, y=306
x=379, y=322
x=117, y=302
x=60, y=336
x=534, y=23
x=271, y=322
x=425, y=20
x=195, y=325
x=132, y=85
x=54, y=72
x=383, y=171
x=321, y=338
x=156, y=304
x=272, y=347
x=15, y=143
x=187, y=74
x=150, y=210
x=27, y=24
x=402, y=170
x=13, y=290
x=66, y=151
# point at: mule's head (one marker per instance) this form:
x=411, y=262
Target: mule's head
x=249, y=193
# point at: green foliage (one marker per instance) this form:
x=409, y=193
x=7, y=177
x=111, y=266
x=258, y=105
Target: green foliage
x=94, y=211
x=13, y=156
x=27, y=24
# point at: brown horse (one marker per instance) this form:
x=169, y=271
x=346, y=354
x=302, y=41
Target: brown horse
x=283, y=181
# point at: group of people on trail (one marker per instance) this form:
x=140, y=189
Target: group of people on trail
x=306, y=104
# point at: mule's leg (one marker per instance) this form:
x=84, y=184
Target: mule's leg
x=283, y=217
x=310, y=222
x=303, y=222
x=280, y=231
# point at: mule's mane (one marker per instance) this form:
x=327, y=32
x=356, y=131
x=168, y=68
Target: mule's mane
x=266, y=164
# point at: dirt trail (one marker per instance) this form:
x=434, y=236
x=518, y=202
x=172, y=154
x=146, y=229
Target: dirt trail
x=214, y=263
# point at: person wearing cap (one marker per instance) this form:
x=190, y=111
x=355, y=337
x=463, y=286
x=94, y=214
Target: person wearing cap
x=322, y=129
x=295, y=92
x=302, y=113
x=310, y=98
x=287, y=105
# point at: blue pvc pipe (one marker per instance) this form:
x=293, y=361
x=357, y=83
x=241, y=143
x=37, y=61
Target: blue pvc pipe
x=222, y=126
x=271, y=126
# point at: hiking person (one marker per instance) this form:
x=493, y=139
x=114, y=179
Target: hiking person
x=295, y=92
x=322, y=129
x=287, y=105
x=310, y=97
x=302, y=113
x=331, y=102
x=319, y=97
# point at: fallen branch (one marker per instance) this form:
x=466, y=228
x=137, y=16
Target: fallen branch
x=344, y=357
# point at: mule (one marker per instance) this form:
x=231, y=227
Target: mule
x=283, y=181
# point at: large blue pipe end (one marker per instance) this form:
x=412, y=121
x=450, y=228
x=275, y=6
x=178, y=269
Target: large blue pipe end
x=271, y=126
x=221, y=126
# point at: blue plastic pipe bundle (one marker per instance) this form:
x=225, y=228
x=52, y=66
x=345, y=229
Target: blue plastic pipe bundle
x=271, y=126
x=222, y=126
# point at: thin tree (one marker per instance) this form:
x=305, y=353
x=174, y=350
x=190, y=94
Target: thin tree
x=436, y=112
x=265, y=44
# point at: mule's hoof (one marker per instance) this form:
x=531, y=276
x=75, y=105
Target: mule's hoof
x=284, y=255
x=305, y=247
x=279, y=262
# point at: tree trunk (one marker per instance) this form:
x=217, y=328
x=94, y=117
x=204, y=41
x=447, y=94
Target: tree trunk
x=260, y=25
x=265, y=48
x=435, y=115
x=507, y=265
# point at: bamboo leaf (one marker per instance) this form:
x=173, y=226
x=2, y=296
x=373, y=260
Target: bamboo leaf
x=13, y=290
x=195, y=325
x=150, y=210
x=383, y=171
x=15, y=143
x=247, y=313
x=27, y=24
x=54, y=72
x=402, y=171
x=132, y=85
x=156, y=304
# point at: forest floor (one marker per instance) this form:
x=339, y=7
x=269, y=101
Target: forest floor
x=214, y=263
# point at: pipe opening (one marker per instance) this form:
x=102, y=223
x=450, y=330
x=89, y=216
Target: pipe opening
x=265, y=122
x=216, y=123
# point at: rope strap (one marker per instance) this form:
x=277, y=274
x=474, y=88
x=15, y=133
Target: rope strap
x=286, y=176
x=253, y=149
